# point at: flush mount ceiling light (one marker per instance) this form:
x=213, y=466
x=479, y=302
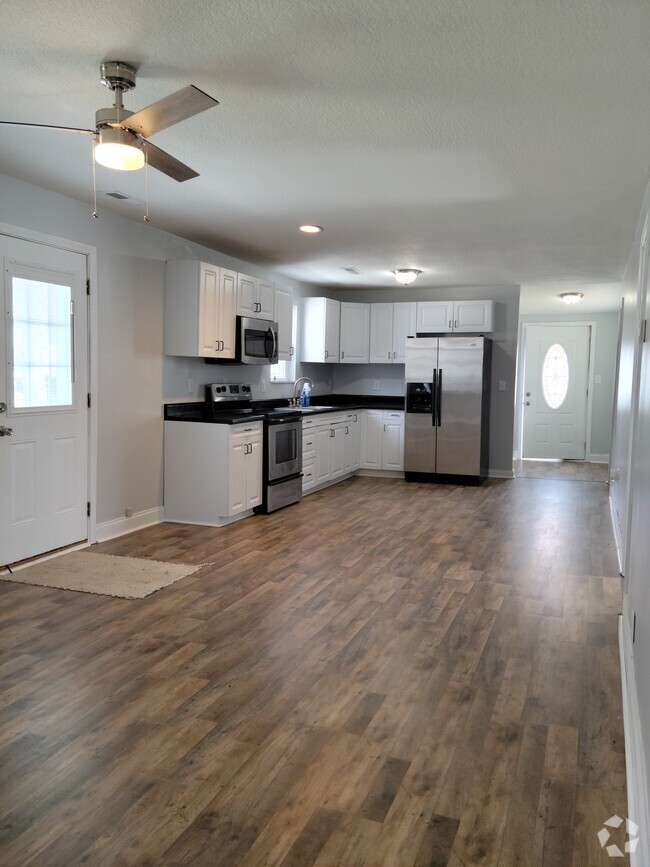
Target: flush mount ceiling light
x=308, y=229
x=119, y=149
x=406, y=275
x=571, y=297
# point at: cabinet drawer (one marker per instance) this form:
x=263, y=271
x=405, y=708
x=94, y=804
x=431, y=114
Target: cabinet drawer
x=308, y=475
x=246, y=432
x=308, y=445
x=393, y=415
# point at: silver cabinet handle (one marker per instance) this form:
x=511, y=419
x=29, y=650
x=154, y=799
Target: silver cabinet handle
x=384, y=428
x=5, y=431
x=290, y=351
x=309, y=444
x=450, y=324
x=332, y=433
x=326, y=354
x=389, y=355
x=342, y=354
x=347, y=430
x=456, y=323
x=394, y=355
x=526, y=403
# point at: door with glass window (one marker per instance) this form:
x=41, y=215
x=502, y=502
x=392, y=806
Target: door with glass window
x=43, y=400
x=555, y=403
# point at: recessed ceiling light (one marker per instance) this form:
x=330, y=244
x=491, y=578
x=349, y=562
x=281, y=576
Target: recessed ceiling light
x=571, y=297
x=406, y=275
x=311, y=230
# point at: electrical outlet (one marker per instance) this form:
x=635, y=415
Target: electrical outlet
x=375, y=385
x=598, y=379
x=128, y=512
x=263, y=386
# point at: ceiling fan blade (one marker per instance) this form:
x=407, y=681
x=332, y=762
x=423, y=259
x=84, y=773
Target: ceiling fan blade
x=47, y=126
x=172, y=109
x=167, y=164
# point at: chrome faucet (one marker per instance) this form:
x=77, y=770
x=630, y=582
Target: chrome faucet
x=302, y=380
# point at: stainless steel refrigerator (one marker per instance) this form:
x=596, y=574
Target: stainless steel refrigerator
x=447, y=409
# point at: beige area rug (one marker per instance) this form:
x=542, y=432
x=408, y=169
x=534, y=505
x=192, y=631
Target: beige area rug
x=105, y=574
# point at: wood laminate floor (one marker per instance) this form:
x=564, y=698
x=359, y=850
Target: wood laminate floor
x=569, y=471
x=386, y=674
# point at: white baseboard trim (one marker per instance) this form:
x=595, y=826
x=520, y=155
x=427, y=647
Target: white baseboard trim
x=121, y=526
x=599, y=459
x=379, y=474
x=501, y=474
x=637, y=796
x=618, y=541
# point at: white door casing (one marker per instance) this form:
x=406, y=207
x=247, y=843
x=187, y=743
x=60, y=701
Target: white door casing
x=44, y=342
x=555, y=417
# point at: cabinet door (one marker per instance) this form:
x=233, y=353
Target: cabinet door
x=351, y=443
x=434, y=316
x=332, y=326
x=265, y=300
x=246, y=296
x=254, y=473
x=208, y=311
x=337, y=451
x=371, y=436
x=356, y=442
x=381, y=333
x=283, y=315
x=237, y=486
x=404, y=325
x=393, y=441
x=322, y=458
x=355, y=333
x=227, y=307
x=473, y=316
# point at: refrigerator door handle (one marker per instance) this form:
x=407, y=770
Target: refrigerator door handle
x=434, y=398
x=439, y=397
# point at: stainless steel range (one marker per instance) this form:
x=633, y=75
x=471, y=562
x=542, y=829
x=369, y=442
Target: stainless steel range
x=282, y=479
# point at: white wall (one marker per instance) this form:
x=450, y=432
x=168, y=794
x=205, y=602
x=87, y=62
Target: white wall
x=630, y=495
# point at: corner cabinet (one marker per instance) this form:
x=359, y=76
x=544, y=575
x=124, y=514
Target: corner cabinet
x=200, y=304
x=382, y=440
x=283, y=315
x=390, y=325
x=460, y=317
x=213, y=472
x=320, y=330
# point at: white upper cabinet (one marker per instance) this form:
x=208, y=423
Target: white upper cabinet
x=355, y=333
x=199, y=310
x=320, y=330
x=381, y=333
x=472, y=316
x=255, y=297
x=283, y=315
x=434, y=317
x=390, y=325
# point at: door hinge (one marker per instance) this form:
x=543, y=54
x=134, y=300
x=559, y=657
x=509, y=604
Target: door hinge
x=643, y=330
x=87, y=287
x=88, y=510
x=89, y=400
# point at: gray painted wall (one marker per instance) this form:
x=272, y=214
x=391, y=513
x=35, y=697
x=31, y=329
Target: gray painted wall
x=604, y=365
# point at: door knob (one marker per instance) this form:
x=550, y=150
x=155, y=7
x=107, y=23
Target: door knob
x=5, y=431
x=3, y=406
x=527, y=403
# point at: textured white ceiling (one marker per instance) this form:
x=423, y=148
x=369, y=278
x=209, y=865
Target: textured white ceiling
x=482, y=142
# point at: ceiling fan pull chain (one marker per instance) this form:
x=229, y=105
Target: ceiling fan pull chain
x=146, y=183
x=92, y=148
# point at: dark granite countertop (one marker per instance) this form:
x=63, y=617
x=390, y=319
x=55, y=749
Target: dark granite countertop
x=200, y=411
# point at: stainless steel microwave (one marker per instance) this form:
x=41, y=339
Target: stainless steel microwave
x=257, y=341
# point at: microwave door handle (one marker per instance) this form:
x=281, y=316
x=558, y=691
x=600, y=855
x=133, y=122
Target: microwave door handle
x=270, y=333
x=275, y=344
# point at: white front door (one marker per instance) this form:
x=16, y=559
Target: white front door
x=43, y=398
x=556, y=376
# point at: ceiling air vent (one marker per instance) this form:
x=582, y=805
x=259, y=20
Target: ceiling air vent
x=122, y=197
x=351, y=270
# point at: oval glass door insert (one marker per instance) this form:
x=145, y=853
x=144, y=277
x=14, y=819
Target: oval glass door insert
x=555, y=376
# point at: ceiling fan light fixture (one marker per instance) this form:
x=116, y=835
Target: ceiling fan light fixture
x=406, y=275
x=310, y=229
x=119, y=149
x=571, y=297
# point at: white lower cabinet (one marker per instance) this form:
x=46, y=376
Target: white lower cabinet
x=382, y=441
x=213, y=472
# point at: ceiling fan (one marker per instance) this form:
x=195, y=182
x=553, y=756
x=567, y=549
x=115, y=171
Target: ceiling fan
x=121, y=135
